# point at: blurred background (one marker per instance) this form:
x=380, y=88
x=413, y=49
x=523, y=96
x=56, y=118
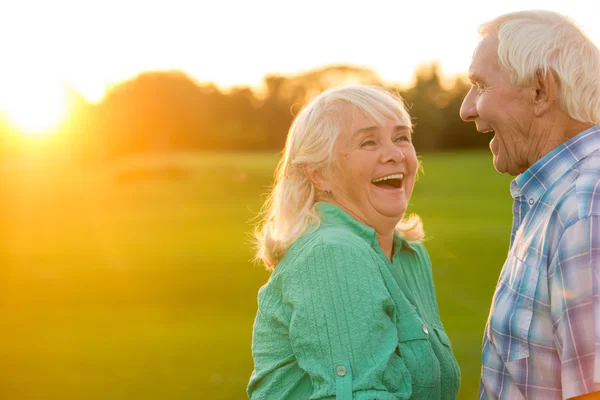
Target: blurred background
x=137, y=142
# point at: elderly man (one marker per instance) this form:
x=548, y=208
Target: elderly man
x=536, y=84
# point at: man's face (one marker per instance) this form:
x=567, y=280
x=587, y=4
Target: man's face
x=494, y=104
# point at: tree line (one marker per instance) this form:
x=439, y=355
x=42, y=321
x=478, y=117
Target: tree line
x=169, y=111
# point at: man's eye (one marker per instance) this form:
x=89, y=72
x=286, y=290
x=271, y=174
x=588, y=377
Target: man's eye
x=402, y=139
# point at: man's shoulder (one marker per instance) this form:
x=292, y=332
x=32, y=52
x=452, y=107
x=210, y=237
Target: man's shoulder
x=577, y=194
x=587, y=185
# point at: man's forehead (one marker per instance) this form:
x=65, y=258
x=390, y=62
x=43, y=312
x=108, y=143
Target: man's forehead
x=488, y=45
x=485, y=57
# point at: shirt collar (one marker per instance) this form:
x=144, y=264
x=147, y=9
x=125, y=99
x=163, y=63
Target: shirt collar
x=534, y=182
x=332, y=215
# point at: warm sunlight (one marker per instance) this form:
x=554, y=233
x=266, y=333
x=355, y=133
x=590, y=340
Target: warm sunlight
x=34, y=106
x=100, y=44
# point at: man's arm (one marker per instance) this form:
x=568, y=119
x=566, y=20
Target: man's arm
x=574, y=279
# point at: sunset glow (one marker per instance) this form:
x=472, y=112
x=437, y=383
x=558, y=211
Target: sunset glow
x=95, y=44
x=34, y=106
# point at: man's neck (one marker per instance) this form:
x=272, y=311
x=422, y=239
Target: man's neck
x=554, y=132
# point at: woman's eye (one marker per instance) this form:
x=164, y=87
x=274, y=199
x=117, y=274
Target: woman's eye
x=367, y=143
x=402, y=139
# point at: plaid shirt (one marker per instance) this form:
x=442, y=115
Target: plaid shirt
x=542, y=338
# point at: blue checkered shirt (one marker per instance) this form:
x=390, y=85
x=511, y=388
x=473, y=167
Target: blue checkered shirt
x=542, y=338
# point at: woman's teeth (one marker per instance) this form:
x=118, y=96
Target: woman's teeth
x=394, y=176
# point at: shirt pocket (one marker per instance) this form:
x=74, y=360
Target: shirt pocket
x=414, y=348
x=512, y=308
x=451, y=364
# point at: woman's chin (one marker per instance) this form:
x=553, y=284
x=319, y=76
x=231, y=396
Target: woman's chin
x=393, y=211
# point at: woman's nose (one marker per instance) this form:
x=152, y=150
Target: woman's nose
x=393, y=152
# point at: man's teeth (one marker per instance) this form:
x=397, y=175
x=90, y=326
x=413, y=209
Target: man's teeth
x=395, y=176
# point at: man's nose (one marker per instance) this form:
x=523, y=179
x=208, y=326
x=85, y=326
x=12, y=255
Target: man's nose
x=468, y=111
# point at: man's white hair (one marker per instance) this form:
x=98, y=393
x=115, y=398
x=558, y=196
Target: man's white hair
x=532, y=42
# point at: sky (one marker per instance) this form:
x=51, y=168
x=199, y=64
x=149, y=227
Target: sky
x=93, y=44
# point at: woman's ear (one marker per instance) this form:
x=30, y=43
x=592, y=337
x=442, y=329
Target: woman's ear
x=546, y=90
x=317, y=178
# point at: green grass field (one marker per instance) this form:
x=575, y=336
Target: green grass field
x=134, y=280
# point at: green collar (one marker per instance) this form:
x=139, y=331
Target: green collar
x=332, y=215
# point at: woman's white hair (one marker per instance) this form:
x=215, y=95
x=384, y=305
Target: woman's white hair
x=289, y=210
x=532, y=42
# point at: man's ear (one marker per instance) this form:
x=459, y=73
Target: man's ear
x=317, y=178
x=546, y=91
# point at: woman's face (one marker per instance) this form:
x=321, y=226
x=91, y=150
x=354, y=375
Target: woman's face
x=374, y=170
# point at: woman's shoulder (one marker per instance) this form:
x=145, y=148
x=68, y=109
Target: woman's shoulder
x=330, y=236
x=325, y=240
x=421, y=257
x=421, y=251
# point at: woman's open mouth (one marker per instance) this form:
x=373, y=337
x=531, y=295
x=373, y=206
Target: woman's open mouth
x=393, y=181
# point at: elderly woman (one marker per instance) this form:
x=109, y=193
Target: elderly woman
x=349, y=311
